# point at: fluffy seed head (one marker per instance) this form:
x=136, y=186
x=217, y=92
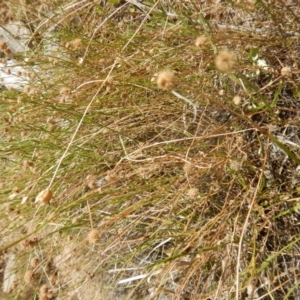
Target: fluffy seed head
x=29, y=276
x=200, y=41
x=77, y=43
x=235, y=165
x=109, y=80
x=237, y=100
x=51, y=120
x=221, y=92
x=92, y=184
x=45, y=293
x=165, y=80
x=44, y=197
x=93, y=236
x=225, y=60
x=193, y=193
x=3, y=45
x=65, y=91
x=30, y=243
x=44, y=289
x=286, y=71
x=34, y=262
x=55, y=61
x=187, y=167
x=27, y=163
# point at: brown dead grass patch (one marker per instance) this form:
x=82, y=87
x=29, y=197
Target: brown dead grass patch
x=148, y=204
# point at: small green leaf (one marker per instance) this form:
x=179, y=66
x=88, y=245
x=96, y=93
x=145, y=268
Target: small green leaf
x=277, y=94
x=253, y=55
x=115, y=2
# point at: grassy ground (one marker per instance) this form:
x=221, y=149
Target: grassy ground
x=111, y=190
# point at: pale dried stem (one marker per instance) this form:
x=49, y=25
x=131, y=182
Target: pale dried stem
x=187, y=101
x=79, y=124
x=245, y=228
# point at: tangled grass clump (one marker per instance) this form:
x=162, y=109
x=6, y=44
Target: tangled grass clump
x=114, y=188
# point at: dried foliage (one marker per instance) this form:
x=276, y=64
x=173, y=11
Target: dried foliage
x=180, y=209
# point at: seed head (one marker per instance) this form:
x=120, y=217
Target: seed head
x=109, y=80
x=30, y=276
x=3, y=45
x=65, y=91
x=187, y=167
x=27, y=163
x=200, y=41
x=237, y=100
x=43, y=289
x=44, y=196
x=76, y=44
x=235, y=165
x=51, y=120
x=90, y=181
x=165, y=80
x=93, y=236
x=221, y=92
x=286, y=71
x=225, y=60
x=45, y=293
x=30, y=243
x=34, y=262
x=193, y=193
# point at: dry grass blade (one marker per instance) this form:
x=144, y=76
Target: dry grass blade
x=112, y=188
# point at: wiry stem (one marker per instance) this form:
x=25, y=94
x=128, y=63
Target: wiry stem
x=187, y=101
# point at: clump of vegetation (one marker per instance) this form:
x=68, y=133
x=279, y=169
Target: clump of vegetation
x=120, y=182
